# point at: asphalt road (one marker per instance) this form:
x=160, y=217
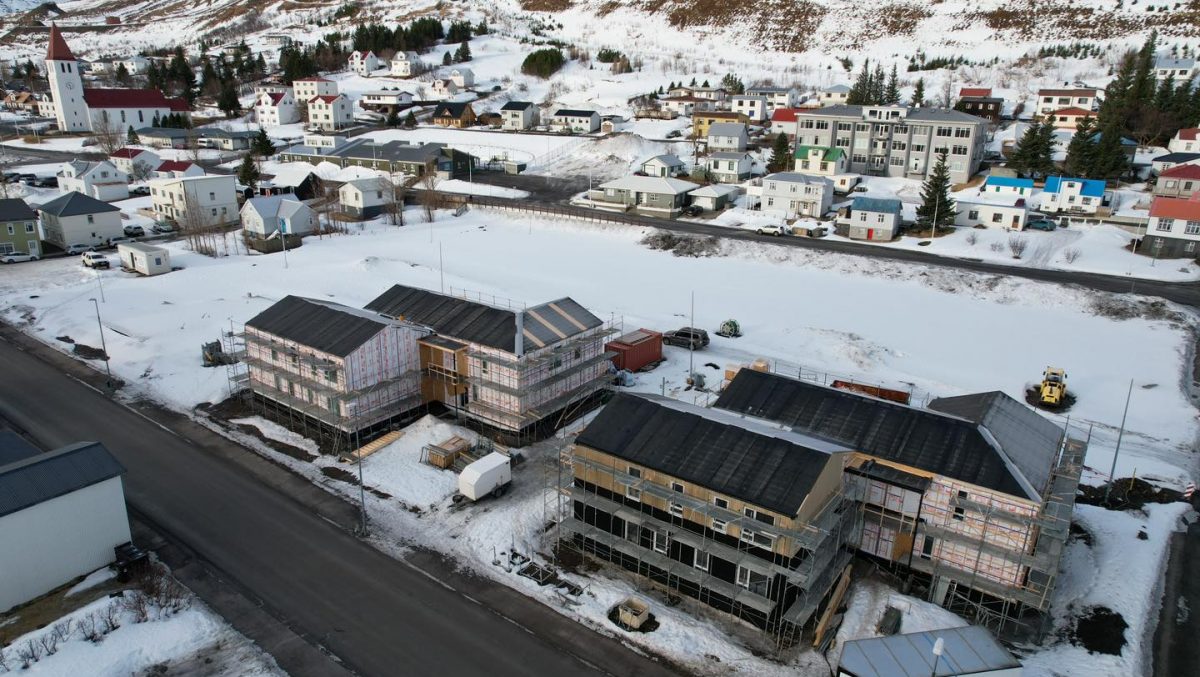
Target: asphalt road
x=378, y=615
x=1176, y=651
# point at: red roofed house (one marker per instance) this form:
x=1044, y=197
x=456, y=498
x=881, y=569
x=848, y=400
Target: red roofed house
x=177, y=169
x=135, y=161
x=1185, y=141
x=1179, y=181
x=978, y=101
x=329, y=113
x=364, y=63
x=1068, y=118
x=974, y=92
x=1173, y=229
x=88, y=110
x=304, y=90
x=784, y=120
x=272, y=109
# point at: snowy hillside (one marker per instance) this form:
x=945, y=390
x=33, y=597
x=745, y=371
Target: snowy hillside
x=14, y=6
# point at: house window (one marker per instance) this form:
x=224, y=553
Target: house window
x=29, y=227
x=331, y=375
x=677, y=487
x=675, y=509
x=1165, y=225
x=944, y=131
x=1192, y=228
x=719, y=526
x=752, y=580
x=634, y=493
x=960, y=511
x=1190, y=247
x=720, y=502
x=701, y=560
x=274, y=355
x=997, y=218
x=760, y=516
x=659, y=541
x=12, y=229
x=962, y=133
x=91, y=218
x=927, y=548
x=959, y=150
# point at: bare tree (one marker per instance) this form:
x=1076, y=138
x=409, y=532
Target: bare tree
x=1071, y=255
x=192, y=145
x=1017, y=245
x=947, y=99
x=107, y=134
x=431, y=197
x=29, y=653
x=972, y=238
x=393, y=200
x=140, y=171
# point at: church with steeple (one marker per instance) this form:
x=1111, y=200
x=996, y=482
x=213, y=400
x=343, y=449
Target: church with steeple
x=79, y=109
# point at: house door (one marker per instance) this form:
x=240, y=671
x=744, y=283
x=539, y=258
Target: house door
x=1016, y=222
x=870, y=233
x=33, y=248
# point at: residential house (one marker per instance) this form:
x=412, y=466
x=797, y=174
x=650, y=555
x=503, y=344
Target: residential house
x=1173, y=229
x=575, y=121
x=1004, y=211
x=407, y=65
x=1182, y=181
x=166, y=137
x=714, y=196
x=1075, y=196
x=77, y=219
x=463, y=78
x=777, y=97
x=364, y=63
x=272, y=109
x=727, y=136
x=729, y=166
x=18, y=228
x=521, y=372
x=837, y=95
x=701, y=121
x=872, y=218
x=653, y=195
x=970, y=650
x=306, y=89
x=100, y=180
x=1177, y=70
x=339, y=367
x=271, y=88
x=753, y=107
x=1007, y=185
x=820, y=161
x=978, y=101
x=134, y=161
x=195, y=201
x=1068, y=118
x=299, y=183
x=395, y=157
x=63, y=516
x=176, y=169
x=1185, y=141
x=134, y=65
x=686, y=105
x=680, y=90
x=21, y=101
x=386, y=101
x=710, y=93
x=897, y=140
x=790, y=195
x=667, y=165
x=224, y=139
x=329, y=113
x=444, y=87
x=1051, y=100
x=456, y=114
x=285, y=214
x=783, y=120
x=364, y=198
x=517, y=116
x=1162, y=163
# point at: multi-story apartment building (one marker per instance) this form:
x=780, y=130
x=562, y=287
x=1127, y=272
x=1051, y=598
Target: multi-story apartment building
x=755, y=505
x=897, y=140
x=515, y=370
x=195, y=201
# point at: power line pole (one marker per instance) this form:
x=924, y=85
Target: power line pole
x=103, y=345
x=1112, y=471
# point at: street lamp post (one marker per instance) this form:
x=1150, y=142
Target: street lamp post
x=103, y=345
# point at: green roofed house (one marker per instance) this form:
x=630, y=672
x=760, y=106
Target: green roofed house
x=18, y=228
x=831, y=163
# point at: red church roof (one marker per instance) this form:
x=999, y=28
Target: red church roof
x=132, y=98
x=58, y=49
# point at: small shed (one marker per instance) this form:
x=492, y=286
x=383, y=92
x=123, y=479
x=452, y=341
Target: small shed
x=637, y=349
x=714, y=196
x=145, y=259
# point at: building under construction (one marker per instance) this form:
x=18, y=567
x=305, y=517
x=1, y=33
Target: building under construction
x=755, y=505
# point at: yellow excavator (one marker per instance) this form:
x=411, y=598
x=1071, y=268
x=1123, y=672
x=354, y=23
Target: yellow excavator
x=1054, y=387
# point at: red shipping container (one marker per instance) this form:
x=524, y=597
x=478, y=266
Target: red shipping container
x=636, y=349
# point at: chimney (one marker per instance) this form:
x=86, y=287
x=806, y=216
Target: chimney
x=519, y=343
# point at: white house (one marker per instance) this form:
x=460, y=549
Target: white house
x=406, y=65
x=870, y=218
x=517, y=116
x=1008, y=212
x=195, y=201
x=727, y=136
x=836, y=95
x=364, y=63
x=305, y=89
x=271, y=88
x=363, y=198
x=681, y=105
x=1050, y=100
x=667, y=165
x=63, y=516
x=791, y=195
x=144, y=258
x=831, y=163
x=1162, y=163
x=714, y=196
x=463, y=78
x=329, y=113
x=75, y=218
x=1007, y=185
x=1178, y=70
x=1076, y=196
x=135, y=161
x=272, y=109
x=176, y=169
x=1068, y=118
x=100, y=180
x=134, y=65
x=575, y=120
x=1185, y=141
x=263, y=216
x=777, y=97
x=710, y=93
x=1173, y=230
x=729, y=166
x=754, y=107
x=385, y=100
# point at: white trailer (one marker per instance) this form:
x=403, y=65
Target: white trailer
x=488, y=476
x=145, y=259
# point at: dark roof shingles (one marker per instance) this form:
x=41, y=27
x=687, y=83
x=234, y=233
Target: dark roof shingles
x=327, y=327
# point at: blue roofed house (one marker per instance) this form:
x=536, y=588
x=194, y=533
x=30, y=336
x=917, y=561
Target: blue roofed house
x=870, y=218
x=1076, y=196
x=1006, y=185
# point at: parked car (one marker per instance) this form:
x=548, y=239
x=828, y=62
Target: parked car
x=1041, y=224
x=163, y=227
x=28, y=178
x=95, y=259
x=686, y=337
x=674, y=134
x=135, y=231
x=113, y=242
x=18, y=257
x=140, y=190
x=771, y=230
x=693, y=210
x=77, y=249
x=11, y=176
x=47, y=182
x=860, y=189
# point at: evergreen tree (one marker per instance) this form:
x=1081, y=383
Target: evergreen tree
x=781, y=154
x=1143, y=79
x=393, y=119
x=410, y=120
x=482, y=28
x=877, y=86
x=227, y=101
x=123, y=74
x=891, y=93
x=1033, y=154
x=248, y=173
x=733, y=84
x=131, y=137
x=463, y=54
x=157, y=122
x=937, y=207
x=210, y=82
x=861, y=91
x=690, y=84
x=1164, y=96
x=1110, y=161
x=705, y=85
x=1081, y=152
x=447, y=59
x=918, y=97
x=261, y=145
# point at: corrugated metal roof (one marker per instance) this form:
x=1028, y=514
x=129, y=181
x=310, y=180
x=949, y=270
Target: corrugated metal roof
x=1090, y=187
x=39, y=478
x=947, y=445
x=321, y=325
x=967, y=651
x=731, y=455
x=885, y=205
